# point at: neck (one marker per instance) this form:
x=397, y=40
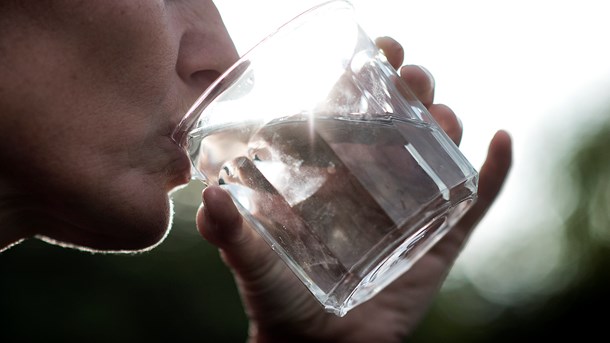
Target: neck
x=13, y=216
x=9, y=237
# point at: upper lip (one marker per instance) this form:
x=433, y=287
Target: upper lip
x=180, y=166
x=173, y=133
x=173, y=127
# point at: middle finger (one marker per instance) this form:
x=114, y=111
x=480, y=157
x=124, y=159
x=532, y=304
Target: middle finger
x=420, y=81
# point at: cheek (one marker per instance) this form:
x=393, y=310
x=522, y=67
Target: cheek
x=89, y=108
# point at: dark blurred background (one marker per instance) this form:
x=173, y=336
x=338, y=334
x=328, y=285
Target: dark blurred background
x=181, y=291
x=178, y=292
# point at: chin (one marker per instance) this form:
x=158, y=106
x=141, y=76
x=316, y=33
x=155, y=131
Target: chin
x=135, y=241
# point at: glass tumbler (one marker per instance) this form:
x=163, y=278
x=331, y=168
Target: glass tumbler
x=329, y=156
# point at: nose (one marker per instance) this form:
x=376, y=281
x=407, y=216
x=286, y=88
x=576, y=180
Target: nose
x=205, y=50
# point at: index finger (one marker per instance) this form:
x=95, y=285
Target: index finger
x=392, y=50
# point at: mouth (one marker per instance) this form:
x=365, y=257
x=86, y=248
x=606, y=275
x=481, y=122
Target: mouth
x=178, y=130
x=178, y=135
x=179, y=167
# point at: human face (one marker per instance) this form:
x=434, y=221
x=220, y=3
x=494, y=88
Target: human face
x=90, y=93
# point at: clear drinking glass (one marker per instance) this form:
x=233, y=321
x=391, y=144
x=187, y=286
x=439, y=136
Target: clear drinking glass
x=329, y=156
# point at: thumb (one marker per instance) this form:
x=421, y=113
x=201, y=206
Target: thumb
x=221, y=224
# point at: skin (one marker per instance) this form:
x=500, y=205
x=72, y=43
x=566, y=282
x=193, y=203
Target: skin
x=90, y=93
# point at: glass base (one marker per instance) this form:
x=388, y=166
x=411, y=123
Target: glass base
x=395, y=262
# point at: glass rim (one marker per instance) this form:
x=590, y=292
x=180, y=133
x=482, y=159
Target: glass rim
x=229, y=76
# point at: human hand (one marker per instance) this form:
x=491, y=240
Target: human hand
x=278, y=305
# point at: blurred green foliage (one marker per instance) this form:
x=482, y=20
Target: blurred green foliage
x=182, y=292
